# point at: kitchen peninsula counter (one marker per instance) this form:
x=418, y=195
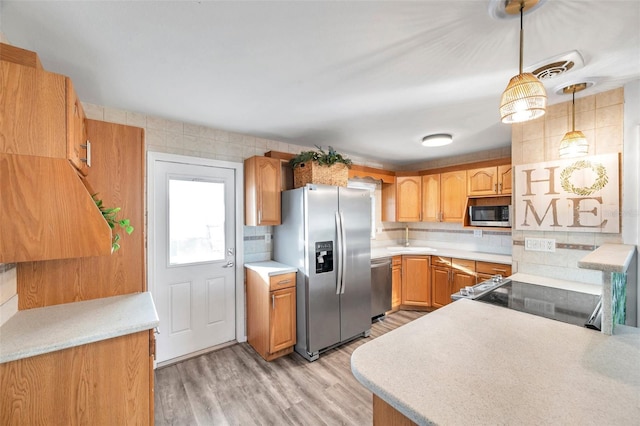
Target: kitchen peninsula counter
x=475, y=363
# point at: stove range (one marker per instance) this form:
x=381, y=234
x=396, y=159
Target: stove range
x=568, y=306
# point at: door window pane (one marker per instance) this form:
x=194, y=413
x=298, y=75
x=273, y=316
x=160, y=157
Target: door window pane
x=196, y=221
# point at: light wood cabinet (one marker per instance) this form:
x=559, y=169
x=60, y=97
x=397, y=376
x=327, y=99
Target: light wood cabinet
x=453, y=195
x=117, y=176
x=489, y=181
x=416, y=282
x=408, y=205
x=431, y=207
x=45, y=210
x=271, y=314
x=448, y=275
x=486, y=270
x=444, y=197
x=262, y=189
x=78, y=145
x=104, y=383
x=396, y=282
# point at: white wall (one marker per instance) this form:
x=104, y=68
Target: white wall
x=631, y=176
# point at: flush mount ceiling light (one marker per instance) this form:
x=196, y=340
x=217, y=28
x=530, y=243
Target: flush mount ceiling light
x=574, y=143
x=524, y=98
x=439, y=139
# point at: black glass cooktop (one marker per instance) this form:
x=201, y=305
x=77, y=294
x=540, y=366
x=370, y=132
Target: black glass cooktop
x=562, y=305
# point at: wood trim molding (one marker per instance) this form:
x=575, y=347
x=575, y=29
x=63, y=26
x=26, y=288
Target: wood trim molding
x=19, y=56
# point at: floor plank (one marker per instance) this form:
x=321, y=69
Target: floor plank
x=234, y=386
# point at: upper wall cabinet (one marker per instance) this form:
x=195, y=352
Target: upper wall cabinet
x=494, y=180
x=78, y=145
x=443, y=197
x=262, y=184
x=45, y=210
x=408, y=189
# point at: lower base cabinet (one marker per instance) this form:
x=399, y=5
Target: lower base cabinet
x=396, y=282
x=109, y=382
x=416, y=282
x=486, y=270
x=271, y=314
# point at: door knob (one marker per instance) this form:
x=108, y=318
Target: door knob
x=229, y=265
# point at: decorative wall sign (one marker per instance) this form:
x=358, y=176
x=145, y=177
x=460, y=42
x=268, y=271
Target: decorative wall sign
x=572, y=195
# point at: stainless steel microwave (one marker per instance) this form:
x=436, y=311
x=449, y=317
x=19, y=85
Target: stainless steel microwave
x=498, y=216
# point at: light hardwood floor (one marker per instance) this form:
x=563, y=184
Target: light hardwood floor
x=234, y=386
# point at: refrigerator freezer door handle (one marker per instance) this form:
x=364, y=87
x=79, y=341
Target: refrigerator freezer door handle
x=339, y=252
x=343, y=255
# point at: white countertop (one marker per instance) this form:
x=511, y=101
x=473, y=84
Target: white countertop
x=270, y=268
x=475, y=363
x=609, y=258
x=379, y=252
x=38, y=331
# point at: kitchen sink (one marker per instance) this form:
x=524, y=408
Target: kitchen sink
x=411, y=248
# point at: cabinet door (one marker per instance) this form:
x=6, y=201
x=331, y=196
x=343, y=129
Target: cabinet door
x=37, y=98
x=262, y=187
x=453, y=190
x=481, y=276
x=408, y=198
x=483, y=181
x=416, y=286
x=441, y=285
x=461, y=280
x=396, y=282
x=101, y=383
x=282, y=319
x=504, y=179
x=77, y=148
x=431, y=198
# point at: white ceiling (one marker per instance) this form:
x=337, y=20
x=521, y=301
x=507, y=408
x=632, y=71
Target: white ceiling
x=368, y=78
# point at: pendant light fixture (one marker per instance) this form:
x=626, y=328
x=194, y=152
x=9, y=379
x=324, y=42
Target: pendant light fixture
x=524, y=98
x=574, y=143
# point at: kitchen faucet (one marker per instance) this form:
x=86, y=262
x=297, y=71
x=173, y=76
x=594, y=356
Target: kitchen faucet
x=406, y=235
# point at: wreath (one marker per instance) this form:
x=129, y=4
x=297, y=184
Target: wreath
x=600, y=183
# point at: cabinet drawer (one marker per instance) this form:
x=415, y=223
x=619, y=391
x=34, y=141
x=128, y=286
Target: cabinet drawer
x=493, y=268
x=464, y=264
x=440, y=261
x=277, y=282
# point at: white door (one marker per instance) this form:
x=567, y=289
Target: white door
x=193, y=272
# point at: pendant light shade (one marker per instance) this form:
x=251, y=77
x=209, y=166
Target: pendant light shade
x=524, y=98
x=574, y=143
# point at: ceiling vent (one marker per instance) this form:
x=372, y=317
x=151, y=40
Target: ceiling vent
x=553, y=67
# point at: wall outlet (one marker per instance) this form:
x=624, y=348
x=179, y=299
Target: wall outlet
x=267, y=238
x=540, y=244
x=477, y=233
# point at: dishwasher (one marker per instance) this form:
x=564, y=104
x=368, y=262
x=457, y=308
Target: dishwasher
x=380, y=287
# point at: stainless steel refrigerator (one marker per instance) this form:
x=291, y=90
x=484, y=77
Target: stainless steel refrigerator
x=325, y=233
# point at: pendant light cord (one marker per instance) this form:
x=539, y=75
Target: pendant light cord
x=521, y=34
x=573, y=111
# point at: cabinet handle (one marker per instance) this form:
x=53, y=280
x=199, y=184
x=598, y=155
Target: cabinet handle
x=273, y=301
x=87, y=159
x=500, y=188
x=499, y=270
x=284, y=281
x=495, y=187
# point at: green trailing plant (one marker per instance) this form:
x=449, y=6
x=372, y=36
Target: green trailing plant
x=110, y=215
x=321, y=157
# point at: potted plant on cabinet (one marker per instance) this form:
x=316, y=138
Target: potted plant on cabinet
x=329, y=168
x=110, y=215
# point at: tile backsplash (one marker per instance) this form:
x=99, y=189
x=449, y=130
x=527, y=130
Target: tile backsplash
x=600, y=117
